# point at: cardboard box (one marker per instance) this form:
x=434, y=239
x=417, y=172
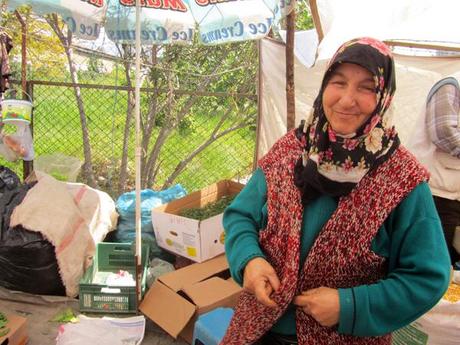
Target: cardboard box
x=176, y=299
x=194, y=239
x=18, y=331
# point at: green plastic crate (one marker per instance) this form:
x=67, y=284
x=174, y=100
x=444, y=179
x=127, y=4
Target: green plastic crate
x=99, y=297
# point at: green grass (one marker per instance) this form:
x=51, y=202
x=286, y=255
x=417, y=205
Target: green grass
x=57, y=129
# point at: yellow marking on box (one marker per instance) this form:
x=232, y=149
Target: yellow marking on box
x=191, y=251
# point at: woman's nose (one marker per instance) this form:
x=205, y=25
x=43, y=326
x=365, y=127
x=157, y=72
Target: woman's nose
x=348, y=98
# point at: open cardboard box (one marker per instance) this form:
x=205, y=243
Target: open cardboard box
x=175, y=299
x=18, y=331
x=194, y=239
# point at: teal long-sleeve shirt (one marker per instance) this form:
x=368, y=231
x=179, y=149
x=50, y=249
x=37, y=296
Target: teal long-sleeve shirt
x=411, y=239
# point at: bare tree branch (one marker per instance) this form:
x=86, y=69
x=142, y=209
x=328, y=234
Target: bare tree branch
x=66, y=43
x=129, y=116
x=167, y=129
x=214, y=136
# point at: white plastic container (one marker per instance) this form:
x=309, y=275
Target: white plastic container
x=16, y=110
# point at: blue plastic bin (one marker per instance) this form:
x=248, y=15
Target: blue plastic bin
x=210, y=327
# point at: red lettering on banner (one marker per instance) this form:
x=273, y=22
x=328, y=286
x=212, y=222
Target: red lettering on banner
x=210, y=2
x=175, y=5
x=153, y=3
x=97, y=3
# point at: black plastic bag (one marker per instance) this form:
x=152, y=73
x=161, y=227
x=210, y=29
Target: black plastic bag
x=8, y=179
x=27, y=260
x=28, y=263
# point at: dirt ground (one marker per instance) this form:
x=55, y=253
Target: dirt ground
x=39, y=310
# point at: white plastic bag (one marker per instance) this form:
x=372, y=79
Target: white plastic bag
x=102, y=331
x=58, y=165
x=20, y=142
x=6, y=152
x=439, y=326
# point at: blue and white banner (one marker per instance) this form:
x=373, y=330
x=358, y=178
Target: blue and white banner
x=165, y=21
x=162, y=22
x=232, y=20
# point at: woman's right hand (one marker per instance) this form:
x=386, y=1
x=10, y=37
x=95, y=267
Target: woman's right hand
x=261, y=280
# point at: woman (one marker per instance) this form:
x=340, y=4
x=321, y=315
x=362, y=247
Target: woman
x=335, y=237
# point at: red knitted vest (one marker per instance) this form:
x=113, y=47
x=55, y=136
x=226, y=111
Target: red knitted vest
x=341, y=255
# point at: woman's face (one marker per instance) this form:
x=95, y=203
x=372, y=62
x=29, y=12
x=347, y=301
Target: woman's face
x=349, y=98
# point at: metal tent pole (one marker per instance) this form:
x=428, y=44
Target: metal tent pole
x=138, y=153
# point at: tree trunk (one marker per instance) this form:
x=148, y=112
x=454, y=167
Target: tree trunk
x=127, y=129
x=152, y=163
x=148, y=123
x=66, y=43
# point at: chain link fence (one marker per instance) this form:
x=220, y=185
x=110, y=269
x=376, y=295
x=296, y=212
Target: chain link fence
x=57, y=129
x=214, y=140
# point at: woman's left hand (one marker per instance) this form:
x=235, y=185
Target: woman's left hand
x=322, y=304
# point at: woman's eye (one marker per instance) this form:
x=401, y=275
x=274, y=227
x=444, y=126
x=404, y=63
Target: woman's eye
x=368, y=88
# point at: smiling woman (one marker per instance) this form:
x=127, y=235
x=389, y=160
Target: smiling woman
x=334, y=234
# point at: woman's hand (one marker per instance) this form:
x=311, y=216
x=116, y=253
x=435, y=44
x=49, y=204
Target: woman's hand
x=260, y=279
x=322, y=304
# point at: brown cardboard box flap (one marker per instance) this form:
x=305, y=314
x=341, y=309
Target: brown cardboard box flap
x=167, y=309
x=195, y=273
x=211, y=291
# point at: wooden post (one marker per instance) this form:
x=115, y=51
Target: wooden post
x=316, y=20
x=290, y=87
x=27, y=166
x=259, y=101
x=23, y=53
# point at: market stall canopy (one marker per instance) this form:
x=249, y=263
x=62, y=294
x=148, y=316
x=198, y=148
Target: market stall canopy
x=165, y=21
x=415, y=21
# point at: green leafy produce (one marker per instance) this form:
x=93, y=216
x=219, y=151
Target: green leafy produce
x=3, y=321
x=208, y=211
x=66, y=315
x=4, y=331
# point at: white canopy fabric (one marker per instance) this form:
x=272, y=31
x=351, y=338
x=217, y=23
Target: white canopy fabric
x=410, y=20
x=303, y=43
x=414, y=78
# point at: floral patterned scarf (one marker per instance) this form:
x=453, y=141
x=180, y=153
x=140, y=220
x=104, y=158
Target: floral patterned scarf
x=332, y=164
